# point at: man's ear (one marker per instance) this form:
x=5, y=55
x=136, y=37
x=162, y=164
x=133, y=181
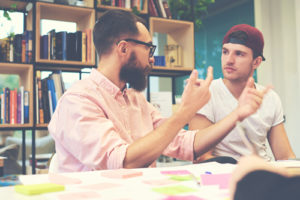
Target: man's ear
x=256, y=62
x=122, y=47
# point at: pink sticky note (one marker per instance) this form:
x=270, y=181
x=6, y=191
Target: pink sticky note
x=216, y=179
x=175, y=172
x=190, y=197
x=100, y=186
x=160, y=182
x=121, y=173
x=79, y=195
x=62, y=180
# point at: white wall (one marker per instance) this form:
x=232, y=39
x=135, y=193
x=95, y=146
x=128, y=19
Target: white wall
x=279, y=21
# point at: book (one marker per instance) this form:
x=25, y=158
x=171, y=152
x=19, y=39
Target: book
x=17, y=43
x=13, y=106
x=28, y=46
x=61, y=45
x=19, y=107
x=26, y=106
x=162, y=9
x=83, y=47
x=78, y=45
x=71, y=46
x=21, y=89
x=39, y=95
x=167, y=9
x=45, y=99
x=52, y=43
x=7, y=105
x=51, y=89
x=44, y=47
x=2, y=108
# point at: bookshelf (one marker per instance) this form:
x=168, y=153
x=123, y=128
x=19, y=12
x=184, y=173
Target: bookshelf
x=179, y=32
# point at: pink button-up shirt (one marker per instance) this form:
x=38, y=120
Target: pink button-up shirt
x=95, y=122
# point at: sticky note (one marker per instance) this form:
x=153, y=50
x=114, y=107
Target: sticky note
x=121, y=173
x=160, y=182
x=100, y=186
x=38, y=188
x=62, y=180
x=189, y=197
x=79, y=195
x=216, y=179
x=175, y=172
x=181, y=178
x=174, y=190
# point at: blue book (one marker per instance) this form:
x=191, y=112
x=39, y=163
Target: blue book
x=26, y=106
x=51, y=88
x=44, y=47
x=61, y=45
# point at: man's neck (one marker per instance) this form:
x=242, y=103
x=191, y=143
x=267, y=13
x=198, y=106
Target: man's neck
x=235, y=87
x=111, y=71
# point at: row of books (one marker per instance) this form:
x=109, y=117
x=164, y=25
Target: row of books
x=139, y=4
x=159, y=8
x=14, y=106
x=17, y=48
x=48, y=91
x=67, y=46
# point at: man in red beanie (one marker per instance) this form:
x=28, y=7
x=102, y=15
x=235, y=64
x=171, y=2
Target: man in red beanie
x=242, y=53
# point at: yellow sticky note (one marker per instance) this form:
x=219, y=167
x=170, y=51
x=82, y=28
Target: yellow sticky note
x=38, y=188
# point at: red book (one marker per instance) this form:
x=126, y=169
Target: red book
x=13, y=106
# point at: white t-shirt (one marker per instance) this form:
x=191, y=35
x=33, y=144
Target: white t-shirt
x=257, y=126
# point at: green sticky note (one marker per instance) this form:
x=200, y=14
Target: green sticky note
x=181, y=178
x=174, y=190
x=38, y=188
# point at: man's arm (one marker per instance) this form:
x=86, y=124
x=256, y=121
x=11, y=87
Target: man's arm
x=145, y=150
x=249, y=101
x=279, y=143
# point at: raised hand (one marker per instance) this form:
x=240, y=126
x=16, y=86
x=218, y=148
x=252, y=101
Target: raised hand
x=196, y=93
x=250, y=99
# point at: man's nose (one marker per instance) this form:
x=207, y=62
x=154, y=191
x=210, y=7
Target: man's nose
x=151, y=60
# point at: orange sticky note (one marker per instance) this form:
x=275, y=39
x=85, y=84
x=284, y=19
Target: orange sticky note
x=62, y=180
x=121, y=173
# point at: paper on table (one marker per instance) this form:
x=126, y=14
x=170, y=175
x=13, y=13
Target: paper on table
x=121, y=173
x=174, y=190
x=79, y=195
x=216, y=179
x=160, y=182
x=63, y=180
x=100, y=186
x=189, y=197
x=176, y=172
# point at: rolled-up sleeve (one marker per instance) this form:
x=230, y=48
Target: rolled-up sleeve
x=90, y=137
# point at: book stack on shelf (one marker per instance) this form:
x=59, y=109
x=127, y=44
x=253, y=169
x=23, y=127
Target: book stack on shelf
x=14, y=106
x=67, y=46
x=17, y=48
x=159, y=8
x=128, y=4
x=49, y=90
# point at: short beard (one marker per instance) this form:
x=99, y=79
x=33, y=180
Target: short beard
x=134, y=74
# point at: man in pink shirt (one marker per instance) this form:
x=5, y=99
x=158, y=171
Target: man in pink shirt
x=101, y=124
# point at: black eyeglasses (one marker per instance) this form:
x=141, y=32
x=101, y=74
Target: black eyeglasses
x=151, y=46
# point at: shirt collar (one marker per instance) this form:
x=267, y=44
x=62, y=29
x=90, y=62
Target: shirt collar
x=105, y=83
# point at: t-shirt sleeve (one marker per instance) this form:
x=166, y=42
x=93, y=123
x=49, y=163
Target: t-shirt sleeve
x=207, y=111
x=278, y=115
x=262, y=185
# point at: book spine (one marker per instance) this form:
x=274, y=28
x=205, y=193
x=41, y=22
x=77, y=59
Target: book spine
x=26, y=106
x=2, y=107
x=40, y=100
x=19, y=107
x=22, y=103
x=13, y=107
x=7, y=105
